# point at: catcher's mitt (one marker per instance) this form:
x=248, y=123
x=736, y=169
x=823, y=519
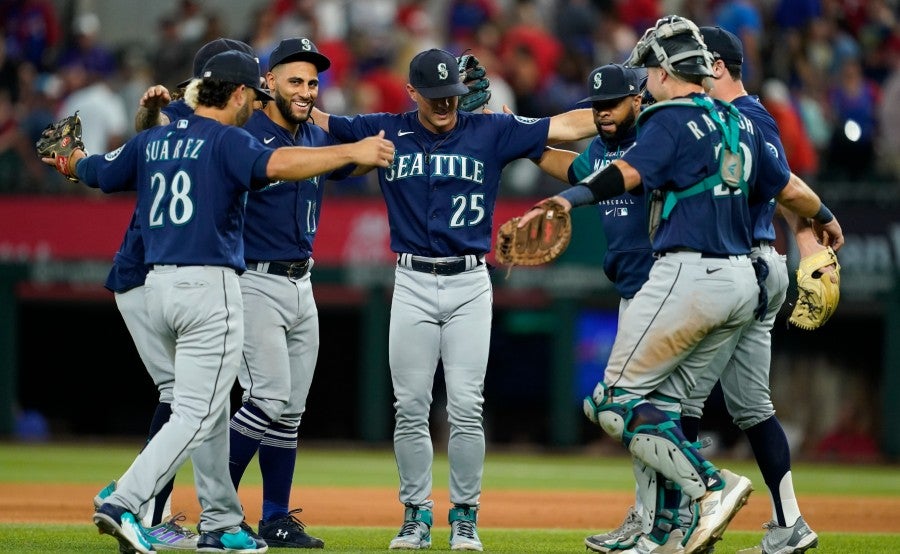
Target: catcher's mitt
x=473, y=75
x=542, y=240
x=59, y=140
x=817, y=295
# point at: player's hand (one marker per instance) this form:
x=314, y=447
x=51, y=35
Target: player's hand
x=537, y=211
x=156, y=98
x=830, y=234
x=375, y=151
x=506, y=110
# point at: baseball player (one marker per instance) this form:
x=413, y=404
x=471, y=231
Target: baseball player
x=615, y=99
x=745, y=377
x=440, y=193
x=281, y=340
x=703, y=163
x=126, y=279
x=616, y=103
x=192, y=176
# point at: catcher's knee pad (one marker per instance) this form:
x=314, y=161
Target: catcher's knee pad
x=610, y=415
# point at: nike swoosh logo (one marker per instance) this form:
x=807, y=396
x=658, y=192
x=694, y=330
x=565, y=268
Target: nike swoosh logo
x=404, y=133
x=710, y=270
x=609, y=211
x=268, y=140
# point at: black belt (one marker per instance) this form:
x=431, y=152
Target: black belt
x=291, y=270
x=452, y=267
x=762, y=243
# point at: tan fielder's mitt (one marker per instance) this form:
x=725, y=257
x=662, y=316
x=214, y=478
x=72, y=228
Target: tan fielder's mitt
x=542, y=240
x=817, y=295
x=59, y=140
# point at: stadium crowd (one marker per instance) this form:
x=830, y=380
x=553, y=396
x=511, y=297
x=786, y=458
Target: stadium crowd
x=828, y=70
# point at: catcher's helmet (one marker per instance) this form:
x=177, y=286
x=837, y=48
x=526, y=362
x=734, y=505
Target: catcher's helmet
x=675, y=44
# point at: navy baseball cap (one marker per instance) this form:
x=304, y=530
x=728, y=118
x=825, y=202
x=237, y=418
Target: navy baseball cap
x=614, y=81
x=723, y=45
x=235, y=67
x=435, y=74
x=212, y=48
x=298, y=50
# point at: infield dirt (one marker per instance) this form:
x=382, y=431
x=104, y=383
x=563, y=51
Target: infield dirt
x=378, y=507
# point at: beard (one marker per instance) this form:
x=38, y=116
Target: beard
x=244, y=114
x=284, y=107
x=622, y=129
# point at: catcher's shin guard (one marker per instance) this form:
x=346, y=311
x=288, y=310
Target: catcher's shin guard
x=652, y=437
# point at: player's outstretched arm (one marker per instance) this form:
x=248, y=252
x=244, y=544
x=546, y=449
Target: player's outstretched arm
x=797, y=197
x=571, y=126
x=294, y=163
x=149, y=112
x=554, y=161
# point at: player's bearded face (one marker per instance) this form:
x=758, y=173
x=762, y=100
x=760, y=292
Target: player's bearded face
x=614, y=118
x=295, y=88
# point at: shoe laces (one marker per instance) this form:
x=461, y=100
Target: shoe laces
x=465, y=528
x=769, y=525
x=293, y=521
x=410, y=527
x=174, y=524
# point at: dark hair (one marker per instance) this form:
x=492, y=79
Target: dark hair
x=215, y=93
x=735, y=71
x=689, y=77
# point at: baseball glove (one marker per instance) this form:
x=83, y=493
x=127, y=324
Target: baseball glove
x=473, y=75
x=59, y=140
x=542, y=240
x=817, y=295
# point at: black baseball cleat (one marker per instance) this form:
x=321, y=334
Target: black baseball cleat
x=288, y=532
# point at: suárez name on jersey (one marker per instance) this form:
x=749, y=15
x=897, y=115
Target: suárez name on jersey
x=161, y=150
x=440, y=165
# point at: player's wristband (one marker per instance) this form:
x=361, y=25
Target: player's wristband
x=605, y=183
x=824, y=215
x=578, y=195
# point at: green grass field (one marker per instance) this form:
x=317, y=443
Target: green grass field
x=93, y=463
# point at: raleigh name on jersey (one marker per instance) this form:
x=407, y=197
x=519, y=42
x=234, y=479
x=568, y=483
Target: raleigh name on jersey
x=717, y=221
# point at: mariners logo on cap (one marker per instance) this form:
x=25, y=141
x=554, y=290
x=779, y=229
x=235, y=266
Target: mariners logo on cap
x=598, y=80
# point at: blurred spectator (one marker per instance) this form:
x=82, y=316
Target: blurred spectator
x=889, y=122
x=530, y=55
x=465, y=16
x=191, y=21
x=743, y=18
x=575, y=24
x=86, y=50
x=32, y=31
x=104, y=120
x=263, y=36
x=566, y=86
x=9, y=73
x=296, y=19
x=20, y=170
x=799, y=149
x=173, y=59
x=638, y=14
x=853, y=102
x=380, y=88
